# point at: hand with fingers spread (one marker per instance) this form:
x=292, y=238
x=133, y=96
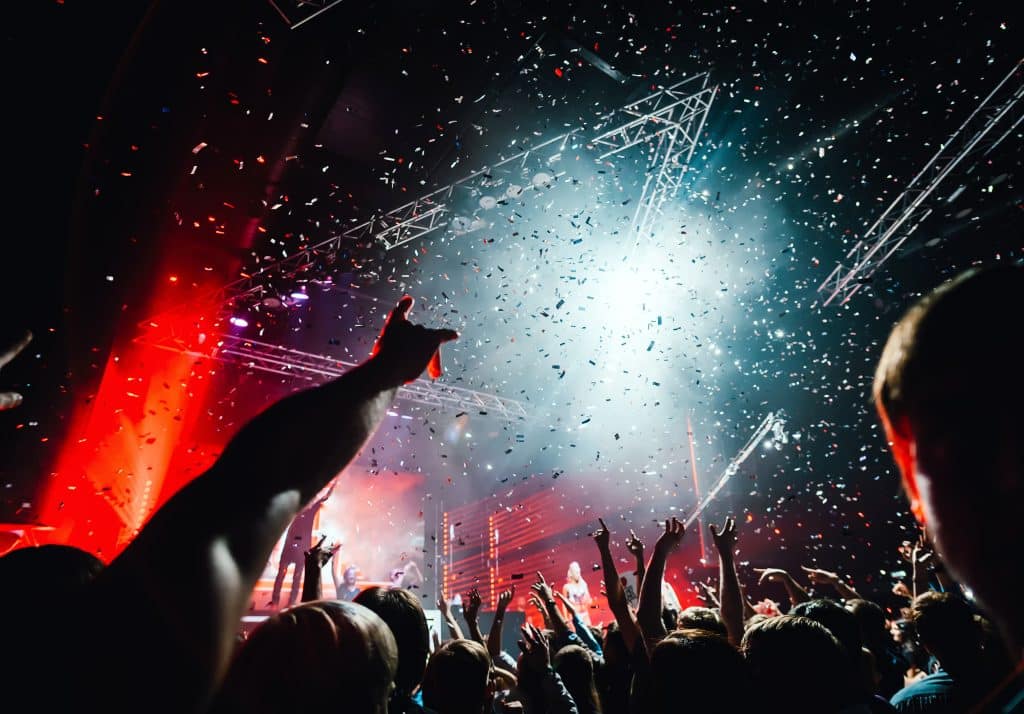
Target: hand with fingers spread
x=535, y=649
x=494, y=636
x=725, y=538
x=669, y=541
x=504, y=599
x=472, y=609
x=404, y=349
x=635, y=546
x=543, y=590
x=318, y=556
x=9, y=400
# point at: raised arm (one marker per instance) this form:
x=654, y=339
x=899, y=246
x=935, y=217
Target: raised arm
x=648, y=614
x=636, y=546
x=471, y=613
x=794, y=590
x=584, y=634
x=825, y=577
x=728, y=581
x=494, y=636
x=181, y=587
x=554, y=617
x=316, y=558
x=449, y=618
x=614, y=591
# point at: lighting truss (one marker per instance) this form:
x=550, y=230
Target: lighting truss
x=976, y=137
x=302, y=11
x=773, y=423
x=317, y=369
x=670, y=121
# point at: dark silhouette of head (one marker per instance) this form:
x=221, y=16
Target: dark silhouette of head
x=576, y=668
x=945, y=626
x=701, y=618
x=797, y=666
x=700, y=668
x=402, y=612
x=457, y=679
x=948, y=389
x=837, y=620
x=32, y=576
x=321, y=655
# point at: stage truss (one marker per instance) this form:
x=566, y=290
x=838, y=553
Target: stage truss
x=666, y=124
x=976, y=138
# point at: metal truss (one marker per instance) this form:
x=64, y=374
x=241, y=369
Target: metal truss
x=316, y=369
x=303, y=10
x=774, y=424
x=671, y=120
x=975, y=138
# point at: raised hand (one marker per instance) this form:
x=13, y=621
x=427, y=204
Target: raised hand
x=820, y=577
x=635, y=546
x=504, y=598
x=444, y=607
x=535, y=649
x=771, y=575
x=9, y=400
x=405, y=349
x=542, y=589
x=602, y=536
x=725, y=539
x=671, y=538
x=565, y=601
x=471, y=610
x=318, y=555
x=706, y=593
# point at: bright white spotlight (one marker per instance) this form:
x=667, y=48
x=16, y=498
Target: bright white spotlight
x=299, y=296
x=239, y=322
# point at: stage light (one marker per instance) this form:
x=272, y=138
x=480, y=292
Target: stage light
x=239, y=322
x=299, y=296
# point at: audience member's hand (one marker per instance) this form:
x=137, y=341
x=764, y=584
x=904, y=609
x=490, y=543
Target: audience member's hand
x=900, y=589
x=318, y=555
x=444, y=607
x=820, y=577
x=536, y=653
x=406, y=349
x=472, y=609
x=504, y=598
x=771, y=575
x=634, y=545
x=671, y=538
x=542, y=589
x=565, y=601
x=725, y=539
x=602, y=536
x=706, y=593
x=9, y=400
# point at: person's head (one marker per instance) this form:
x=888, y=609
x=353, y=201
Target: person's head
x=576, y=668
x=837, y=620
x=701, y=618
x=946, y=627
x=313, y=657
x=574, y=574
x=46, y=573
x=696, y=666
x=871, y=621
x=797, y=666
x=458, y=678
x=349, y=577
x=949, y=388
x=404, y=615
x=614, y=646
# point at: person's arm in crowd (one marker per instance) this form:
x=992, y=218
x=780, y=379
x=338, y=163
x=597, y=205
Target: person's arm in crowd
x=748, y=607
x=538, y=603
x=449, y=618
x=648, y=613
x=825, y=577
x=9, y=400
x=794, y=590
x=586, y=637
x=556, y=622
x=728, y=581
x=537, y=657
x=471, y=613
x=494, y=636
x=636, y=546
x=707, y=594
x=182, y=585
x=615, y=592
x=316, y=559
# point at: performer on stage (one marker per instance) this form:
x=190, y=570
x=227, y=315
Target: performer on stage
x=576, y=591
x=408, y=576
x=345, y=588
x=297, y=541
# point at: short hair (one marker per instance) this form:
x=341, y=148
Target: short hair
x=837, y=620
x=701, y=618
x=699, y=665
x=575, y=666
x=311, y=657
x=45, y=573
x=404, y=615
x=954, y=352
x=945, y=624
x=798, y=665
x=457, y=677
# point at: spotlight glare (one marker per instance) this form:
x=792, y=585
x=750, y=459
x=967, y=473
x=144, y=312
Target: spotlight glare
x=239, y=322
x=299, y=296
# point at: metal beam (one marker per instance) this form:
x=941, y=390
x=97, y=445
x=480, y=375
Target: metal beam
x=976, y=137
x=303, y=10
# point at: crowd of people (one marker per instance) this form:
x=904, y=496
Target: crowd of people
x=155, y=630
